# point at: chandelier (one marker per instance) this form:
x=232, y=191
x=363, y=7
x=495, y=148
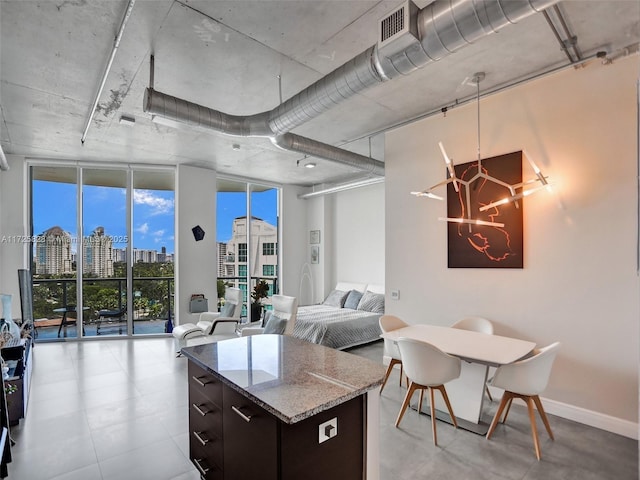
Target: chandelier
x=516, y=191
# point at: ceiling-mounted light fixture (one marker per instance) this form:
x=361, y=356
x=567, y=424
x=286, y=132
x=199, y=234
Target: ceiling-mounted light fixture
x=235, y=146
x=127, y=120
x=517, y=191
x=310, y=165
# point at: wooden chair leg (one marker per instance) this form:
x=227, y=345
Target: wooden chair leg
x=400, y=381
x=392, y=363
x=534, y=429
x=506, y=398
x=504, y=420
x=433, y=416
x=486, y=389
x=407, y=398
x=443, y=391
x=420, y=402
x=543, y=415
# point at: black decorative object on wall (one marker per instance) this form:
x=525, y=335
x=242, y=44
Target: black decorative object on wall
x=493, y=245
x=198, y=233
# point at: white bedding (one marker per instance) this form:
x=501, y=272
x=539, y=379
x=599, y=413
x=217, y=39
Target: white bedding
x=337, y=328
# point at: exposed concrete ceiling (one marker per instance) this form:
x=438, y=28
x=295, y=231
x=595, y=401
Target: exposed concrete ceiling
x=228, y=55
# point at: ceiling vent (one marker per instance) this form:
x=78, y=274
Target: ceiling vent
x=398, y=30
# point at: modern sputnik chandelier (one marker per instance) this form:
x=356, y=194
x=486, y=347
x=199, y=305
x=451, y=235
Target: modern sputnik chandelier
x=516, y=191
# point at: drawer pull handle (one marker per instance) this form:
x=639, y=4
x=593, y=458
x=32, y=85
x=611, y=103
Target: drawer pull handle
x=246, y=418
x=203, y=441
x=203, y=470
x=199, y=410
x=198, y=381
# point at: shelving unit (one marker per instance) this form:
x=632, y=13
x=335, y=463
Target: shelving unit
x=17, y=355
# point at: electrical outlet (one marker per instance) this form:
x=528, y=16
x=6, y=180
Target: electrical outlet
x=327, y=430
x=395, y=294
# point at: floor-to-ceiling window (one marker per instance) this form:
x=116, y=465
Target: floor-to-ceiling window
x=153, y=248
x=248, y=250
x=115, y=277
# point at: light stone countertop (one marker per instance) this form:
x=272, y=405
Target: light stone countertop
x=291, y=378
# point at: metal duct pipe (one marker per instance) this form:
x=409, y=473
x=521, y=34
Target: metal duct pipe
x=176, y=112
x=296, y=143
x=443, y=27
x=4, y=165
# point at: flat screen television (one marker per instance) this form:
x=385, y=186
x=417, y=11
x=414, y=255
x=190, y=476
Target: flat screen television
x=26, y=296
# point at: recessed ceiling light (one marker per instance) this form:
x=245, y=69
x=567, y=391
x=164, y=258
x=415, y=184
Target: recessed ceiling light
x=310, y=165
x=127, y=120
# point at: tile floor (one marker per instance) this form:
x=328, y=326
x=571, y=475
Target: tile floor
x=117, y=409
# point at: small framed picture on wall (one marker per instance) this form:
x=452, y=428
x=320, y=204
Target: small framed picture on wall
x=315, y=254
x=314, y=237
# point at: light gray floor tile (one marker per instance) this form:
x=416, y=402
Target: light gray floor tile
x=117, y=409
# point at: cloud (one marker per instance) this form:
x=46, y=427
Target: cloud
x=158, y=233
x=158, y=204
x=143, y=229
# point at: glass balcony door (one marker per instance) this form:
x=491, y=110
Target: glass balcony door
x=116, y=276
x=248, y=249
x=103, y=256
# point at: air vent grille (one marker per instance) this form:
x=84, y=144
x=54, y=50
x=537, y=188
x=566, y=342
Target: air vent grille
x=392, y=24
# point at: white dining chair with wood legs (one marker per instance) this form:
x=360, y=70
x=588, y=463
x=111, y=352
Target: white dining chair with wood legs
x=427, y=368
x=389, y=323
x=525, y=380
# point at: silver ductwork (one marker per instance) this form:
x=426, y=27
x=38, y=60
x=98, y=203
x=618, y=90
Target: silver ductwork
x=296, y=143
x=432, y=33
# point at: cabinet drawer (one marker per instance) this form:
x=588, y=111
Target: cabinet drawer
x=205, y=383
x=204, y=415
x=208, y=448
x=206, y=463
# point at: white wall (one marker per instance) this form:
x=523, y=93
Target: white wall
x=579, y=284
x=13, y=205
x=352, y=238
x=294, y=242
x=196, y=267
x=359, y=237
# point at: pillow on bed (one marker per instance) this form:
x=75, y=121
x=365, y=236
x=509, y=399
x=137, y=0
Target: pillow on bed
x=353, y=299
x=336, y=298
x=372, y=302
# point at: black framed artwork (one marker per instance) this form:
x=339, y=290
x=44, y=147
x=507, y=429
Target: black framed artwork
x=486, y=246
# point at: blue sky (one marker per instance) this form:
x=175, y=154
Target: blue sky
x=153, y=216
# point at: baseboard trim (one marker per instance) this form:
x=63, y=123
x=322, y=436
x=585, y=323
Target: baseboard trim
x=616, y=425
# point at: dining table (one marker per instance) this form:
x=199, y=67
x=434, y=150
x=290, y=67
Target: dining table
x=478, y=351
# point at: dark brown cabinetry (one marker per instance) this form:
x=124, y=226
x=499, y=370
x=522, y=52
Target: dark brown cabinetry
x=18, y=357
x=233, y=438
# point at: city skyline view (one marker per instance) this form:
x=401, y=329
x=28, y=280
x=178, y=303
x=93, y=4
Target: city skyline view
x=153, y=214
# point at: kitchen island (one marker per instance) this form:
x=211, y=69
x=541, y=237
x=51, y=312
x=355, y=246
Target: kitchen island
x=277, y=407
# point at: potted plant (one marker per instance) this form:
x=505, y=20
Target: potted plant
x=260, y=291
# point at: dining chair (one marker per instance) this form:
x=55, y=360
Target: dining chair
x=476, y=324
x=525, y=379
x=427, y=368
x=388, y=323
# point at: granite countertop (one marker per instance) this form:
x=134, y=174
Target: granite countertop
x=291, y=378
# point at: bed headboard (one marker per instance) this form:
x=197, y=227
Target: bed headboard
x=372, y=287
x=348, y=286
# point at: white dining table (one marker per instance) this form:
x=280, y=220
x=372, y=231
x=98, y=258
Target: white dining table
x=478, y=351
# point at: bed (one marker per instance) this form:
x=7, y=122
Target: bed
x=341, y=322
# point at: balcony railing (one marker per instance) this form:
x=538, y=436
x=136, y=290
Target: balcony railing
x=152, y=303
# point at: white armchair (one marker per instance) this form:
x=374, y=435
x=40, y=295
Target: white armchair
x=284, y=308
x=212, y=326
